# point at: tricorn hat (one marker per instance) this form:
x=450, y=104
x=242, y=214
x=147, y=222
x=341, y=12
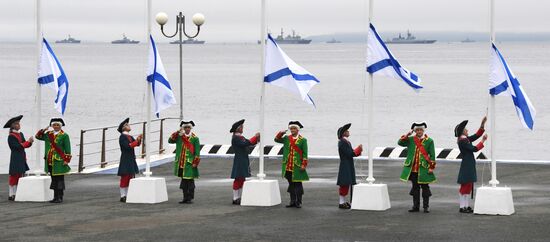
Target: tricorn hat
x=12, y=120
x=57, y=120
x=459, y=129
x=236, y=125
x=187, y=123
x=419, y=125
x=296, y=124
x=121, y=125
x=342, y=130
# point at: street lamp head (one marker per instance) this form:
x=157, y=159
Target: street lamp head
x=161, y=18
x=198, y=19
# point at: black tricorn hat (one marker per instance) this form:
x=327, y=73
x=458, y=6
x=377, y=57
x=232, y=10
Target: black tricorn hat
x=183, y=122
x=57, y=120
x=459, y=129
x=236, y=125
x=342, y=130
x=297, y=123
x=12, y=120
x=121, y=125
x=415, y=125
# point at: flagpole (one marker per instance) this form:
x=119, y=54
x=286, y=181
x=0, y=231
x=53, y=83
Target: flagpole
x=494, y=182
x=261, y=174
x=147, y=172
x=370, y=102
x=38, y=94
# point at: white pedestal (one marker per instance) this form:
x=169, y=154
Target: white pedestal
x=370, y=197
x=147, y=190
x=261, y=193
x=34, y=189
x=494, y=201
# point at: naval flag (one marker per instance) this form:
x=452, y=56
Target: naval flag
x=502, y=81
x=51, y=74
x=162, y=91
x=381, y=61
x=283, y=72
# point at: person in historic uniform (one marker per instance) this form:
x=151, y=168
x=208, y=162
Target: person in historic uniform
x=346, y=171
x=186, y=162
x=295, y=161
x=468, y=174
x=18, y=158
x=241, y=162
x=127, y=168
x=57, y=155
x=419, y=165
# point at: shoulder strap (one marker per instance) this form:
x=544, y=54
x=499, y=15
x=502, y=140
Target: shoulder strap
x=423, y=151
x=56, y=148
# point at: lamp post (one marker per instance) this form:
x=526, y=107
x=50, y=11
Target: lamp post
x=198, y=20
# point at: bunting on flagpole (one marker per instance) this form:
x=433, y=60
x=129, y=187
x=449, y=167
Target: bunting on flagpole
x=52, y=75
x=283, y=72
x=381, y=61
x=502, y=81
x=162, y=91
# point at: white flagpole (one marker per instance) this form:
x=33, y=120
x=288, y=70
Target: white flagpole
x=38, y=94
x=149, y=90
x=370, y=101
x=261, y=174
x=494, y=182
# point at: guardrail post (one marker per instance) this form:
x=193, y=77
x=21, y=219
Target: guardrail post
x=103, y=163
x=81, y=152
x=143, y=147
x=161, y=138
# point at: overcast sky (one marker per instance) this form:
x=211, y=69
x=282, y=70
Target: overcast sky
x=238, y=20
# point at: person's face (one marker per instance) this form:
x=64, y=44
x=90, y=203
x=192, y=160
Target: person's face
x=56, y=126
x=240, y=129
x=294, y=130
x=187, y=129
x=465, y=132
x=16, y=126
x=127, y=128
x=419, y=132
x=346, y=133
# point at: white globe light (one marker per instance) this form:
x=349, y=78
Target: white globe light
x=161, y=18
x=198, y=19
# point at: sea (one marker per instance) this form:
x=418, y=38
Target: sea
x=222, y=82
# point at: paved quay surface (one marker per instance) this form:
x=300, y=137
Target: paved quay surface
x=91, y=211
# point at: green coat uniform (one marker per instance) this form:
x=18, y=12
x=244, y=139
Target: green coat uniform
x=187, y=153
x=298, y=159
x=51, y=156
x=424, y=176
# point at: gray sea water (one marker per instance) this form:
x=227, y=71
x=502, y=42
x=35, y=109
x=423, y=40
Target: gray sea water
x=107, y=84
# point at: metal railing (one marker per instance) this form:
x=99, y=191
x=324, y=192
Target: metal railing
x=100, y=144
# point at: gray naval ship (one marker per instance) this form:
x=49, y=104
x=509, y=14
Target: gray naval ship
x=410, y=39
x=124, y=40
x=189, y=41
x=69, y=40
x=290, y=39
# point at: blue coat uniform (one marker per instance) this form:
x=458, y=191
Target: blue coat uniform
x=18, y=158
x=241, y=162
x=127, y=165
x=468, y=171
x=346, y=172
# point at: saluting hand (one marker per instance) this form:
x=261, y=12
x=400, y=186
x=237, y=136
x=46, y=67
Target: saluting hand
x=139, y=137
x=257, y=135
x=360, y=146
x=409, y=133
x=31, y=139
x=484, y=138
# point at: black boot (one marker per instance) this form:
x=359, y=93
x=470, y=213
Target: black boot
x=55, y=196
x=416, y=203
x=292, y=203
x=61, y=193
x=123, y=199
x=11, y=198
x=426, y=194
x=183, y=199
x=299, y=201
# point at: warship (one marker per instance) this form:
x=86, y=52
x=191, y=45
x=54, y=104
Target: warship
x=68, y=40
x=124, y=40
x=188, y=41
x=410, y=39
